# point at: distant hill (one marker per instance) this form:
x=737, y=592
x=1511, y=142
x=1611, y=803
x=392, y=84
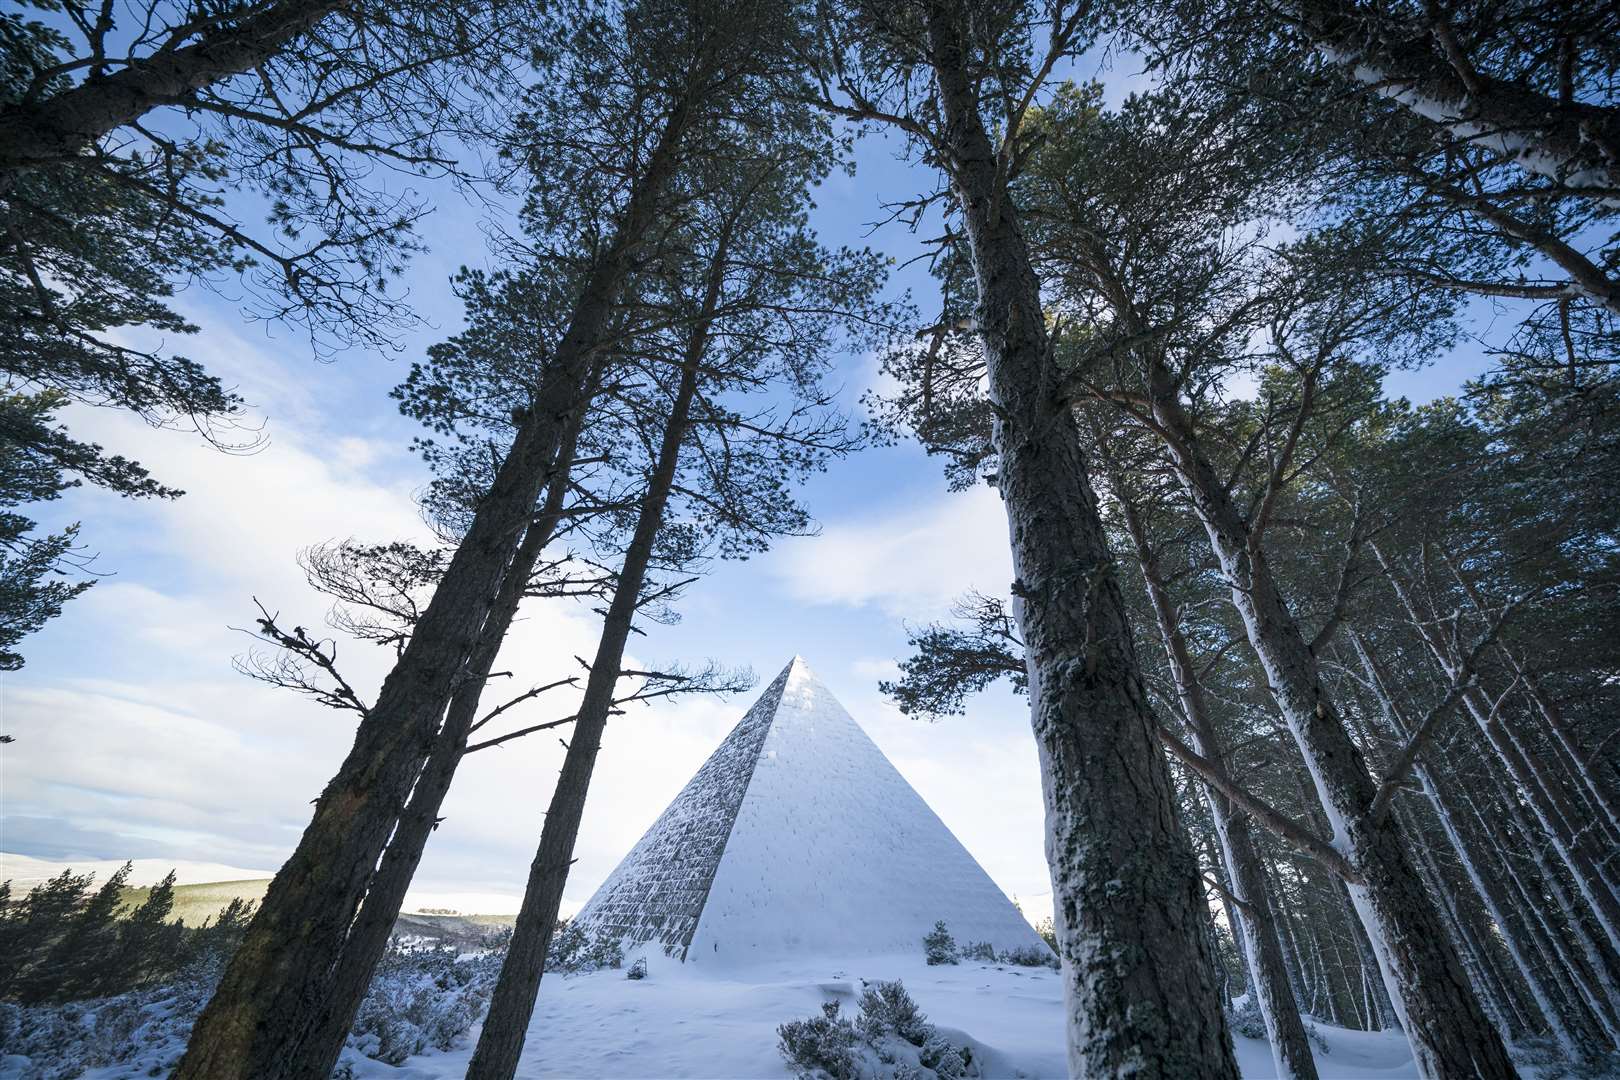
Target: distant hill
x=202, y=900
x=194, y=903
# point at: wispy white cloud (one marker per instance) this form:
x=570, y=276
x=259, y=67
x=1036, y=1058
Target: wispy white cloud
x=909, y=561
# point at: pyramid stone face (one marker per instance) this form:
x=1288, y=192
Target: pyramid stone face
x=658, y=891
x=798, y=836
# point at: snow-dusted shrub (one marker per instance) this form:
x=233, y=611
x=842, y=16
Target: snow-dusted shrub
x=638, y=970
x=606, y=951
x=979, y=950
x=419, y=998
x=939, y=945
x=1030, y=956
x=422, y=997
x=568, y=944
x=820, y=1047
x=572, y=951
x=143, y=1031
x=891, y=1039
x=1048, y=932
x=886, y=1009
x=1243, y=1018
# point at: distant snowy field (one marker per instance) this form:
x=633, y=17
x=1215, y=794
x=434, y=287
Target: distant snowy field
x=686, y=1022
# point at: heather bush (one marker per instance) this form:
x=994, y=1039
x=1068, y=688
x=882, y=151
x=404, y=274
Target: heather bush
x=820, y=1047
x=1030, y=956
x=890, y=1039
x=979, y=950
x=573, y=951
x=423, y=997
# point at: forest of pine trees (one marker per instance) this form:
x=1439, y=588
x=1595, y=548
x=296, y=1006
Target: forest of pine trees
x=1324, y=683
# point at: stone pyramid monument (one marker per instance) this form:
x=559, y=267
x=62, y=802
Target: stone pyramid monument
x=798, y=836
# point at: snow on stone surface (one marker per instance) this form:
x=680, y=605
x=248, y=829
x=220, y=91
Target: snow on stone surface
x=657, y=892
x=834, y=853
x=798, y=837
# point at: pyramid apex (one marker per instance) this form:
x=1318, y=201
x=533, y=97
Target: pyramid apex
x=870, y=869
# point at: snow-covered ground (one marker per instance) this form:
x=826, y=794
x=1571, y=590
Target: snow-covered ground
x=683, y=1021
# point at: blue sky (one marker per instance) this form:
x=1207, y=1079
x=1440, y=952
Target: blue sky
x=136, y=738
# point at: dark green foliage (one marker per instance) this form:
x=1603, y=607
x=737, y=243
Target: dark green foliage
x=573, y=951
x=951, y=661
x=116, y=195
x=63, y=941
x=148, y=943
x=939, y=944
x=979, y=950
x=1030, y=956
x=38, y=462
x=1536, y=226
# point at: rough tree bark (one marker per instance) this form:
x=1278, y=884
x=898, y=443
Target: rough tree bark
x=275, y=978
x=1449, y=1033
x=500, y=1044
x=1258, y=944
x=1139, y=983
x=316, y=1053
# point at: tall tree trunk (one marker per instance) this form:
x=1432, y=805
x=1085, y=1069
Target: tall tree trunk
x=316, y=1054
x=274, y=981
x=500, y=1044
x=1254, y=925
x=1543, y=793
x=1588, y=969
x=1449, y=1033
x=1573, y=142
x=1139, y=981
x=1477, y=862
x=1283, y=917
x=1596, y=788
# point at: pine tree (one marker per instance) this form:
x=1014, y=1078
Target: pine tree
x=957, y=80
x=78, y=964
x=939, y=946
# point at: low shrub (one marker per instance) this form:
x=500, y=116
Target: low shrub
x=1030, y=956
x=820, y=1046
x=979, y=950
x=420, y=997
x=423, y=997
x=572, y=950
x=890, y=1039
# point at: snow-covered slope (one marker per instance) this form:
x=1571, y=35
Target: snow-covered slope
x=798, y=837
